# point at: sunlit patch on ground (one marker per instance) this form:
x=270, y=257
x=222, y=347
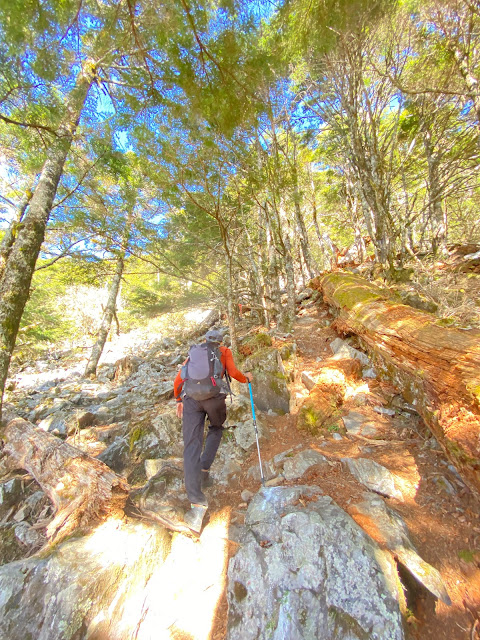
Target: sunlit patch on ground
x=182, y=596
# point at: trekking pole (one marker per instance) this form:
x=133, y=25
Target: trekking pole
x=256, y=433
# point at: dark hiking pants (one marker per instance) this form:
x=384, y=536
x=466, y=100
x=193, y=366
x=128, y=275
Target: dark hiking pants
x=194, y=412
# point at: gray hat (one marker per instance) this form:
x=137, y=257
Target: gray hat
x=214, y=335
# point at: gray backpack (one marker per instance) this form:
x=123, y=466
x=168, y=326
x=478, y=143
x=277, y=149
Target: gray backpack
x=202, y=373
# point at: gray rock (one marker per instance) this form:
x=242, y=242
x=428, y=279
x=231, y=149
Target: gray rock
x=385, y=411
x=246, y=495
x=10, y=547
x=56, y=423
x=117, y=455
x=240, y=414
x=104, y=415
x=444, y=485
x=308, y=380
x=28, y=536
x=417, y=301
x=229, y=471
x=164, y=392
x=295, y=467
x=308, y=572
x=83, y=419
x=374, y=476
x=343, y=350
x=269, y=386
x=369, y=373
x=73, y=589
x=357, y=424
x=146, y=444
x=10, y=494
x=269, y=471
x=395, y=536
x=337, y=436
x=304, y=295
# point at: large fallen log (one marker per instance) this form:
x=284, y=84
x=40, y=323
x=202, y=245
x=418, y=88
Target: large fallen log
x=82, y=489
x=436, y=368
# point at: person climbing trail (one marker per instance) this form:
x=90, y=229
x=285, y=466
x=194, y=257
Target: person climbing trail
x=200, y=391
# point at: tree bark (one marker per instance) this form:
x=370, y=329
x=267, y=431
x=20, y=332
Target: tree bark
x=82, y=489
x=11, y=232
x=302, y=231
x=438, y=220
x=15, y=284
x=91, y=368
x=436, y=368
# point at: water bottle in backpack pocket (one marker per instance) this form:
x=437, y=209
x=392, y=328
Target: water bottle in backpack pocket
x=202, y=373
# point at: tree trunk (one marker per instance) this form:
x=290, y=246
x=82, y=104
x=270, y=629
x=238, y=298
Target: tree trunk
x=287, y=316
x=231, y=305
x=91, y=368
x=82, y=489
x=436, y=368
x=438, y=220
x=302, y=231
x=15, y=284
x=259, y=282
x=11, y=232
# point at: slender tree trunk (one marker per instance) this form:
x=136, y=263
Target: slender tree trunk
x=12, y=230
x=258, y=283
x=288, y=311
x=302, y=231
x=272, y=279
x=437, y=216
x=15, y=284
x=91, y=368
x=231, y=303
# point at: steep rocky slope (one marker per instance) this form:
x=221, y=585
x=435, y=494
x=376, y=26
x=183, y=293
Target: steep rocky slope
x=356, y=505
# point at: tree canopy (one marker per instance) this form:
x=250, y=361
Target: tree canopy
x=232, y=146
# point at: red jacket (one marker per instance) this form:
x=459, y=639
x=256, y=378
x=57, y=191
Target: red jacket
x=226, y=358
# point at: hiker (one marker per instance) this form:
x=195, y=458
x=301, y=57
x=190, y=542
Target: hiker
x=199, y=394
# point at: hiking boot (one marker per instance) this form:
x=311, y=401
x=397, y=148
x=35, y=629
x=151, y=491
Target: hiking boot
x=194, y=517
x=207, y=481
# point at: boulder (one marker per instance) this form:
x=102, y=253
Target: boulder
x=10, y=546
x=387, y=528
x=125, y=367
x=342, y=349
x=358, y=424
x=117, y=455
x=10, y=493
x=295, y=467
x=305, y=569
x=375, y=477
x=56, y=423
x=269, y=386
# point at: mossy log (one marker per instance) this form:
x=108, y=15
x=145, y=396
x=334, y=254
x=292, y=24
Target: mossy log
x=436, y=368
x=82, y=489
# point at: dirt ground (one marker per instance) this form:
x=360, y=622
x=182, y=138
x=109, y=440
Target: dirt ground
x=444, y=525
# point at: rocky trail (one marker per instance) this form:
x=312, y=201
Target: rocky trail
x=284, y=561
x=376, y=424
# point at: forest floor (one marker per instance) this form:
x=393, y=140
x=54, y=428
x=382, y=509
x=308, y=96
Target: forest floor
x=443, y=517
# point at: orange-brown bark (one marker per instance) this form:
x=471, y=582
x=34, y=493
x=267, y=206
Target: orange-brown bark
x=437, y=368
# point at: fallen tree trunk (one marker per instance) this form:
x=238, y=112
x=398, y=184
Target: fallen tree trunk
x=436, y=368
x=82, y=489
